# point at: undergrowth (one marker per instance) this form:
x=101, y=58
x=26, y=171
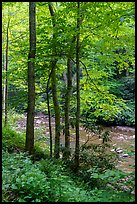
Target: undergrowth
x=46, y=181
x=38, y=178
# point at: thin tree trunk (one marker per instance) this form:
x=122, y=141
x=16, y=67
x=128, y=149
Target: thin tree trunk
x=49, y=115
x=31, y=79
x=50, y=130
x=67, y=107
x=6, y=77
x=57, y=114
x=78, y=90
x=4, y=82
x=54, y=87
x=68, y=94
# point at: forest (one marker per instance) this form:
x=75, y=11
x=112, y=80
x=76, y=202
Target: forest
x=68, y=101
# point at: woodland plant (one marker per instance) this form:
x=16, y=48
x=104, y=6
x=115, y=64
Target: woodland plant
x=11, y=140
x=96, y=158
x=23, y=178
x=49, y=180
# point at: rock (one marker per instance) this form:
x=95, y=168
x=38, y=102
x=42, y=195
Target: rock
x=81, y=128
x=47, y=133
x=125, y=155
x=38, y=121
x=119, y=151
x=114, y=145
x=112, y=150
x=121, y=138
x=125, y=188
x=118, y=148
x=133, y=192
x=131, y=137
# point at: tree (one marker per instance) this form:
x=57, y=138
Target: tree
x=31, y=79
x=69, y=89
x=49, y=114
x=5, y=96
x=78, y=89
x=54, y=85
x=17, y=53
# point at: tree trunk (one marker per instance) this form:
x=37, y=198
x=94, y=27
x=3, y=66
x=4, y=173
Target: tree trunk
x=49, y=115
x=4, y=82
x=57, y=114
x=54, y=87
x=78, y=90
x=67, y=107
x=5, y=99
x=68, y=93
x=31, y=79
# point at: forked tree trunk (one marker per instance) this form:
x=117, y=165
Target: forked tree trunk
x=68, y=94
x=31, y=79
x=54, y=87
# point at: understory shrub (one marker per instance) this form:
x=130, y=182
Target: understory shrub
x=47, y=181
x=97, y=158
x=19, y=175
x=11, y=140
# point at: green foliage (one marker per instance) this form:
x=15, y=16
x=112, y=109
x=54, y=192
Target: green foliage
x=48, y=180
x=107, y=50
x=107, y=53
x=18, y=99
x=115, y=178
x=11, y=140
x=98, y=158
x=110, y=196
x=14, y=117
x=40, y=152
x=23, y=178
x=98, y=155
x=125, y=88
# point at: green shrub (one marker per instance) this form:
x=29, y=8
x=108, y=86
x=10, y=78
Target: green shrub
x=46, y=181
x=62, y=187
x=115, y=178
x=12, y=140
x=98, y=158
x=24, y=178
x=39, y=152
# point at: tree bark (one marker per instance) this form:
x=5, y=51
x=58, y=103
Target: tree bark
x=67, y=107
x=31, y=79
x=54, y=87
x=68, y=93
x=49, y=115
x=78, y=89
x=6, y=77
x=3, y=88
